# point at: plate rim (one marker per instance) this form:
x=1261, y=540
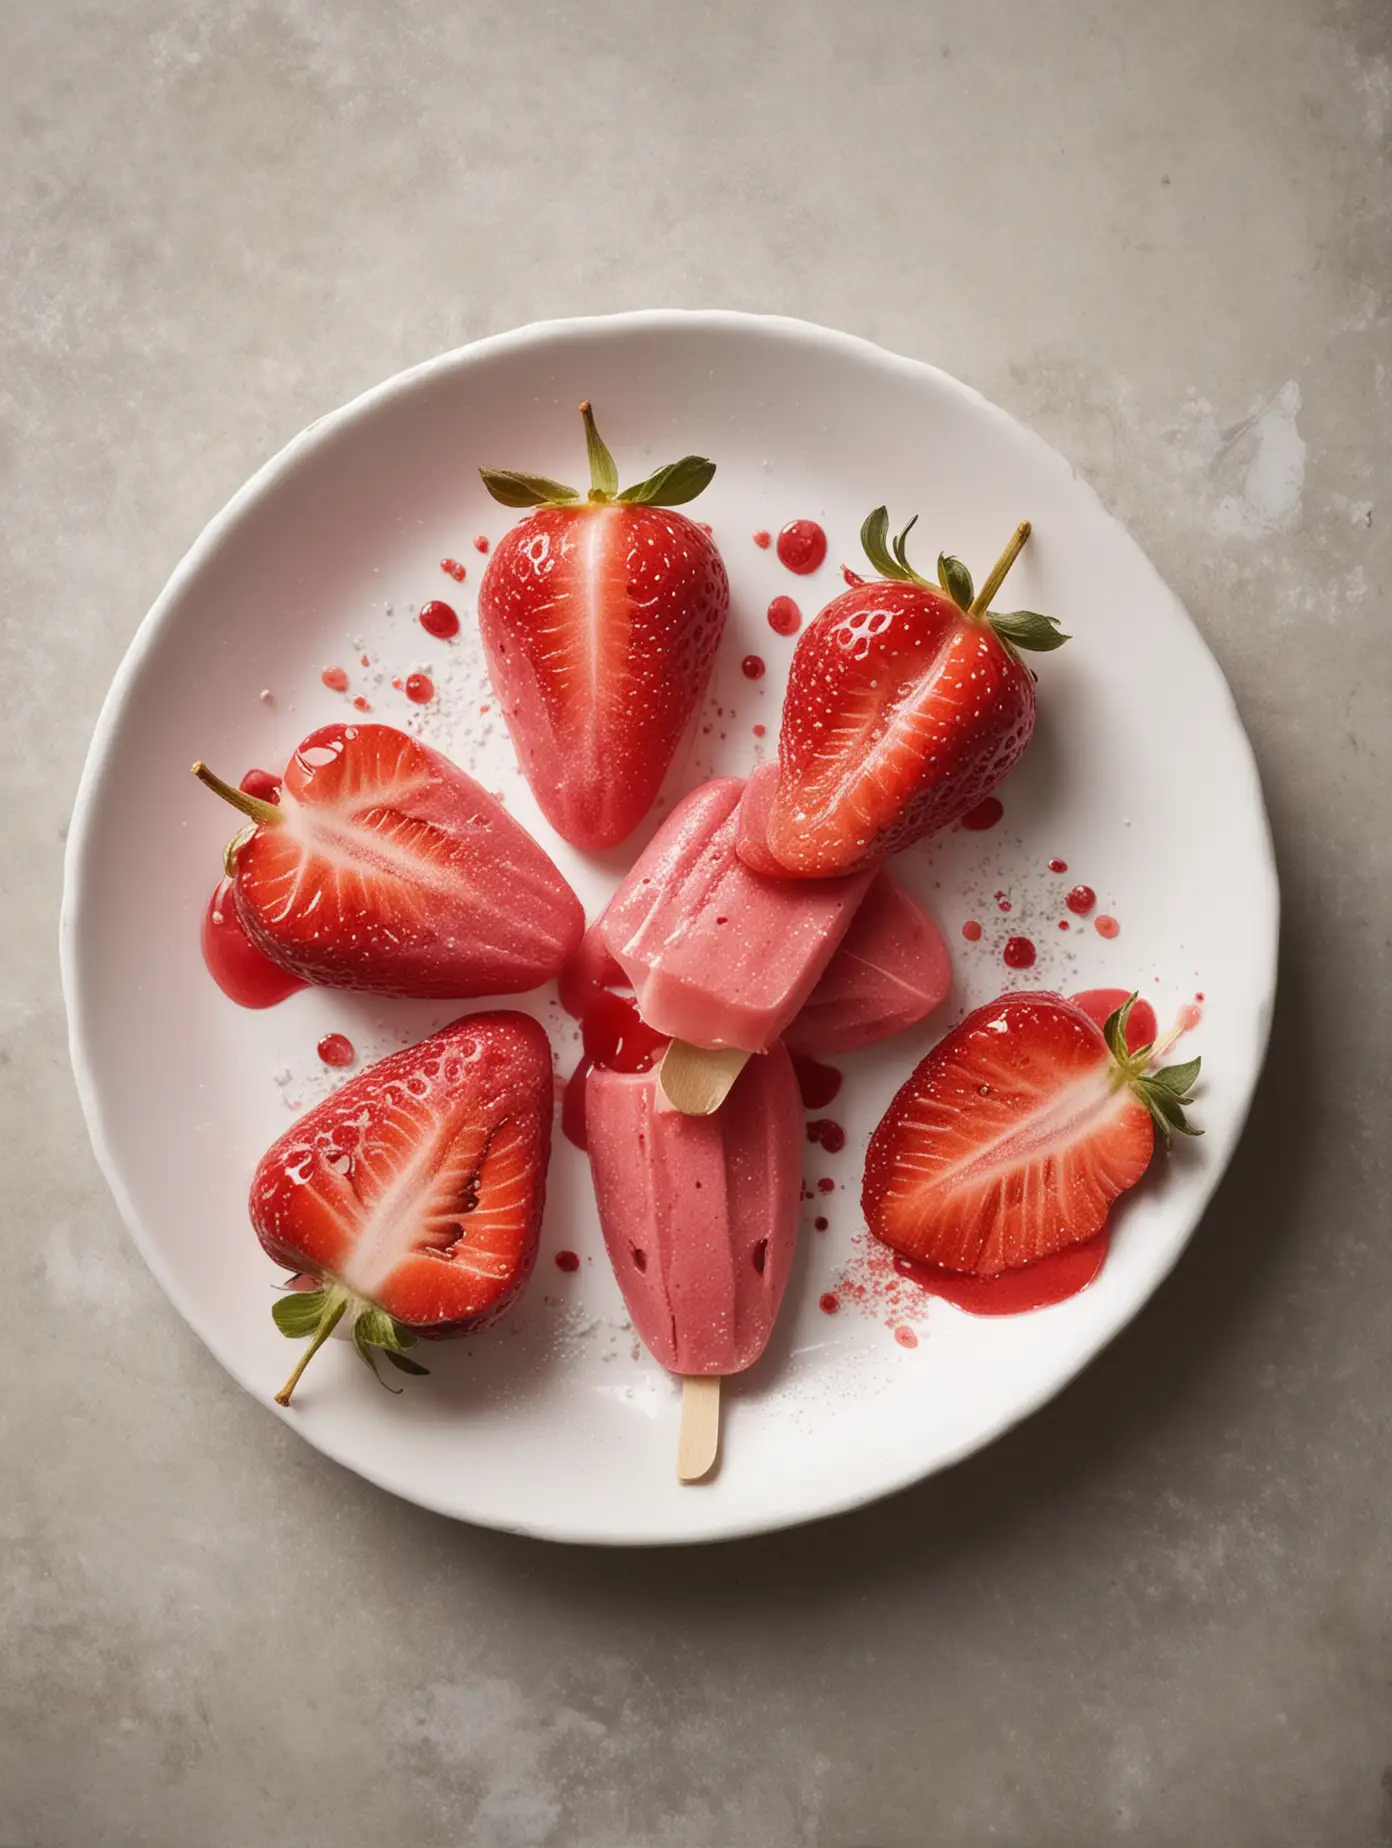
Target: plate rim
x=320, y=430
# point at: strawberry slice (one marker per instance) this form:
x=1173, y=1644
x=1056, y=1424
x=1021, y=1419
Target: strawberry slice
x=600, y=618
x=413, y=1196
x=907, y=703
x=385, y=868
x=1010, y=1141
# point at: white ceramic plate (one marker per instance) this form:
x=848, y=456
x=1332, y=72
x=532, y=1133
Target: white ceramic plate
x=555, y=1423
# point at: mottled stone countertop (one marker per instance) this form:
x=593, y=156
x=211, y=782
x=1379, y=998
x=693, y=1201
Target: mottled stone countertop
x=1161, y=1612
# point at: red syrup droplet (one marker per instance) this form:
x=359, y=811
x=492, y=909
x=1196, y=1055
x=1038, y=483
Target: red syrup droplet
x=985, y=815
x=1033, y=1286
x=420, y=688
x=784, y=616
x=481, y=542
x=440, y=620
x=826, y=1184
x=1189, y=1016
x=820, y=1223
x=240, y=970
x=905, y=1336
x=802, y=545
x=567, y=1260
x=1081, y=900
x=360, y=703
x=828, y=1134
x=818, y=1083
x=763, y=539
x=1058, y=866
x=852, y=577
x=760, y=730
x=335, y=679
x=614, y=1038
x=262, y=784
x=1107, y=927
x=828, y=1302
x=452, y=568
x=971, y=930
x=752, y=667
x=336, y=1049
x=1019, y=953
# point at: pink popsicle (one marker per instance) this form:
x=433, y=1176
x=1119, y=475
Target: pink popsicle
x=890, y=970
x=700, y=1214
x=719, y=955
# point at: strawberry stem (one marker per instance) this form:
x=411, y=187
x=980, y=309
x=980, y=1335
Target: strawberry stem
x=604, y=474
x=982, y=600
x=259, y=811
x=321, y=1335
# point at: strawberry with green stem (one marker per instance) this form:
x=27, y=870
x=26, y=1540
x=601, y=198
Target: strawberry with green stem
x=600, y=616
x=907, y=703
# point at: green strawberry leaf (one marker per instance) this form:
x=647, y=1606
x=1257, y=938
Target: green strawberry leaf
x=956, y=580
x=406, y=1364
x=363, y=1342
x=604, y=476
x=672, y=486
x=299, y=1313
x=515, y=490
x=1177, y=1079
x=1114, y=1031
x=1027, y=629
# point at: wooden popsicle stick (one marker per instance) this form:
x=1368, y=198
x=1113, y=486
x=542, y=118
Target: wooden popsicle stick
x=698, y=1442
x=697, y=1079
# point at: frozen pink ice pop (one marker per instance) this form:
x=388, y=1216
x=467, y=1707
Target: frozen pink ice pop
x=700, y=1214
x=720, y=956
x=890, y=970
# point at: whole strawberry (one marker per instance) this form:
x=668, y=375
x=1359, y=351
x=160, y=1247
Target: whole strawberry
x=907, y=703
x=600, y=618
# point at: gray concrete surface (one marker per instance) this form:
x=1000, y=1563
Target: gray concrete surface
x=1159, y=231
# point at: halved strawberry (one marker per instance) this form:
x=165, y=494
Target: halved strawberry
x=600, y=618
x=907, y=704
x=413, y=1196
x=385, y=868
x=1010, y=1141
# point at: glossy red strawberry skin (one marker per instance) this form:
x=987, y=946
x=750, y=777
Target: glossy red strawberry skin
x=902, y=713
x=1009, y=1141
x=394, y=873
x=601, y=624
x=419, y=1185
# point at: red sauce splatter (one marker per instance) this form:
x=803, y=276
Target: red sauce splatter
x=759, y=730
x=439, y=620
x=240, y=970
x=971, y=930
x=1189, y=1016
x=1107, y=927
x=262, y=784
x=396, y=682
x=828, y=1303
x=752, y=667
x=1033, y=1286
x=1058, y=866
x=852, y=577
x=1081, y=900
x=1063, y=923
x=364, y=661
x=818, y=1083
x=362, y=704
x=614, y=1038
x=1199, y=995
x=802, y=545
x=784, y=616
x=452, y=568
x=830, y=1135
x=1019, y=953
x=820, y=1223
x=481, y=542
x=763, y=539
x=1002, y=902
x=336, y=1049
x=568, y=1260
x=335, y=679
x=985, y=815
x=826, y=1184
x=905, y=1336
x=1100, y=1004
x=420, y=688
